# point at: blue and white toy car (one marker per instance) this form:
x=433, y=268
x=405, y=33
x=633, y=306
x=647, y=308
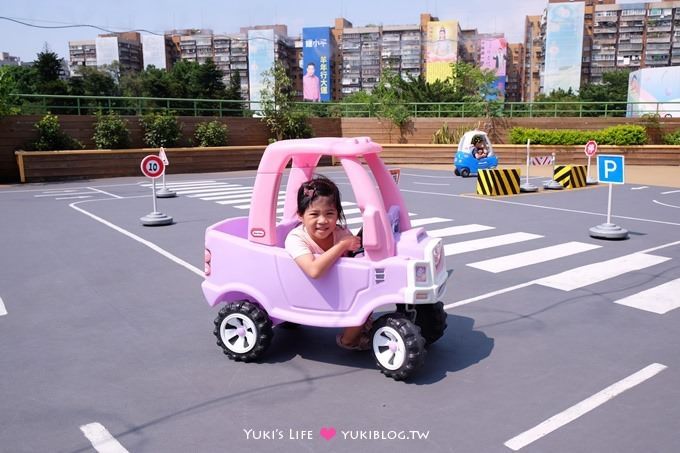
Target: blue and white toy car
x=465, y=162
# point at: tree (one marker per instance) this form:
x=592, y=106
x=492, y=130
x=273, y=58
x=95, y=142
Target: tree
x=92, y=82
x=558, y=103
x=7, y=89
x=233, y=93
x=277, y=101
x=47, y=68
x=614, y=88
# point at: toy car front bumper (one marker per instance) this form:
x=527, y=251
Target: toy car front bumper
x=428, y=294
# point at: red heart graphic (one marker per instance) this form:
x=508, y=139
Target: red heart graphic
x=327, y=433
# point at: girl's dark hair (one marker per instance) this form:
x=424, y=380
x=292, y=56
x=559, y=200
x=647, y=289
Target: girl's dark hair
x=319, y=186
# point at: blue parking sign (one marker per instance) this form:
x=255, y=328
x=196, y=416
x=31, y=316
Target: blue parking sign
x=610, y=169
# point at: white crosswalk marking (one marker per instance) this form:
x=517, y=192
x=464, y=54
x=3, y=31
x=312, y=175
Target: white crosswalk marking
x=458, y=229
x=517, y=260
x=236, y=201
x=212, y=185
x=206, y=190
x=225, y=192
x=660, y=299
x=229, y=196
x=428, y=221
x=597, y=272
x=186, y=183
x=485, y=243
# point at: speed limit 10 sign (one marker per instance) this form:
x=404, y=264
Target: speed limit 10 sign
x=152, y=166
x=591, y=148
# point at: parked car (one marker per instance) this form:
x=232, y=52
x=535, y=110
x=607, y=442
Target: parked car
x=465, y=162
x=257, y=284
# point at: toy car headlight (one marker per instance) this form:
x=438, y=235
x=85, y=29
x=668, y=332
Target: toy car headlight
x=438, y=257
x=421, y=273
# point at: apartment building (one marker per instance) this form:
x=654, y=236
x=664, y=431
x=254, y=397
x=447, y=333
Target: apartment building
x=514, y=72
x=124, y=48
x=8, y=60
x=634, y=36
x=401, y=50
x=533, y=57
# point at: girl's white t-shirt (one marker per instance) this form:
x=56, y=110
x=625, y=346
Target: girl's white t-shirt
x=299, y=243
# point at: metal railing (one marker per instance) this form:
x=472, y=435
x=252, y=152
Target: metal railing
x=39, y=104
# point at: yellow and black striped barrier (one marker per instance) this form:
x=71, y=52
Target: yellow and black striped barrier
x=570, y=176
x=498, y=182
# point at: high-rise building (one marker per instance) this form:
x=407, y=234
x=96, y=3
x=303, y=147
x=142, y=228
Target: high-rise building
x=634, y=36
x=514, y=72
x=533, y=58
x=124, y=48
x=401, y=50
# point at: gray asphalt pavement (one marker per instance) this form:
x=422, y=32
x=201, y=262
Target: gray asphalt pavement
x=556, y=341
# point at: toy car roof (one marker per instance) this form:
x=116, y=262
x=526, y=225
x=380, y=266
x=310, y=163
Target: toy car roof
x=466, y=139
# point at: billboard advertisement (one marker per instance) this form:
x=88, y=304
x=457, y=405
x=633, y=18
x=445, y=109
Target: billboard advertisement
x=260, y=59
x=563, y=46
x=107, y=50
x=316, y=64
x=493, y=56
x=442, y=49
x=153, y=51
x=656, y=90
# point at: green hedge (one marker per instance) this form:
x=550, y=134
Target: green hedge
x=615, y=135
x=673, y=138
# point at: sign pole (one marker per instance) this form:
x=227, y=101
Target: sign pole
x=152, y=166
x=527, y=186
x=552, y=184
x=164, y=192
x=610, y=170
x=609, y=205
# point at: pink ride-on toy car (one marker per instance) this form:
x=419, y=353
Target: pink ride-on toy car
x=259, y=285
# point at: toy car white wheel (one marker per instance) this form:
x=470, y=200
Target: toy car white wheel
x=243, y=331
x=398, y=347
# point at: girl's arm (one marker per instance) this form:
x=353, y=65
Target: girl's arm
x=316, y=266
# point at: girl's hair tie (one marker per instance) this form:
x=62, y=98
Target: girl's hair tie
x=308, y=192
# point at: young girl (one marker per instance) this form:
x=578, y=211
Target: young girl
x=319, y=241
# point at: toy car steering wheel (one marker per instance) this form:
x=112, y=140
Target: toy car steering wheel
x=360, y=250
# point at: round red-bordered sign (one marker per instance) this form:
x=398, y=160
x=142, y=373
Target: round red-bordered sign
x=152, y=166
x=591, y=148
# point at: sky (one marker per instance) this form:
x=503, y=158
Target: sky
x=227, y=16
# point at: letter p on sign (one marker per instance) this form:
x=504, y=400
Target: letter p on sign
x=610, y=169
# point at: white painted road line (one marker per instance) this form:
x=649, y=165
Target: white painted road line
x=189, y=183
x=557, y=421
x=56, y=194
x=458, y=229
x=485, y=243
x=597, y=272
x=101, y=439
x=670, y=191
x=105, y=193
x=517, y=260
x=74, y=198
x=639, y=188
x=428, y=221
x=3, y=310
x=431, y=183
x=666, y=204
x=226, y=195
x=660, y=299
x=206, y=190
x=149, y=244
x=218, y=193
